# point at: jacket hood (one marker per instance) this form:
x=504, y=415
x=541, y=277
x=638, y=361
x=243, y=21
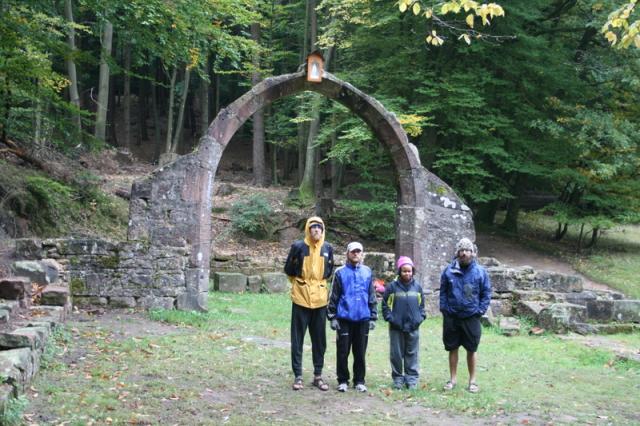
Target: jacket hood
x=307, y=232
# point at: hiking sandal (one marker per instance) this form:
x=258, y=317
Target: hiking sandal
x=449, y=385
x=473, y=388
x=297, y=384
x=320, y=384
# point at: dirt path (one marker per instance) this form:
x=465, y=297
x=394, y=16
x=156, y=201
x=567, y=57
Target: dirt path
x=511, y=253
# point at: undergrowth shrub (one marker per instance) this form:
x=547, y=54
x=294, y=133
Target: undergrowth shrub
x=374, y=220
x=254, y=217
x=13, y=411
x=52, y=208
x=48, y=201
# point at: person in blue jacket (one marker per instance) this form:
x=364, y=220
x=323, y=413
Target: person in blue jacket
x=352, y=310
x=403, y=308
x=465, y=293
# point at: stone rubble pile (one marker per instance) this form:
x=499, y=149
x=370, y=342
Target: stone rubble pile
x=558, y=302
x=25, y=326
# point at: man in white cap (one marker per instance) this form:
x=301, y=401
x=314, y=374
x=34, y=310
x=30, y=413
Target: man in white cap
x=352, y=311
x=465, y=293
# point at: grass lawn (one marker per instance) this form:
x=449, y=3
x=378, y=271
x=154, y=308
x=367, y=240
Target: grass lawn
x=615, y=259
x=231, y=365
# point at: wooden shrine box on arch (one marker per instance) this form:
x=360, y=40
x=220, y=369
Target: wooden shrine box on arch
x=315, y=67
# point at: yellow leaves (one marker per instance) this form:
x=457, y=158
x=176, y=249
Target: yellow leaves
x=434, y=39
x=450, y=6
x=618, y=22
x=469, y=5
x=611, y=37
x=466, y=38
x=412, y=124
x=404, y=5
x=617, y=30
x=487, y=11
x=473, y=9
x=469, y=20
x=194, y=57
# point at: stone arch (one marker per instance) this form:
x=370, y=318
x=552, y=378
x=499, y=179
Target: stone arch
x=171, y=209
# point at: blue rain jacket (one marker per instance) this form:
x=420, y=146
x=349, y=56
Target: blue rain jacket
x=464, y=292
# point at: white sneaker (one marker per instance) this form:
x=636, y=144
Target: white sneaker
x=361, y=388
x=342, y=387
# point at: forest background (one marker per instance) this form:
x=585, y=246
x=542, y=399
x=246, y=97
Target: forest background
x=510, y=104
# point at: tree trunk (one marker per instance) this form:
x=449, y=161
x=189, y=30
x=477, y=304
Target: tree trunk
x=100, y=131
x=561, y=231
x=595, y=233
x=157, y=137
x=274, y=166
x=127, y=98
x=336, y=166
x=204, y=106
x=259, y=178
x=143, y=135
x=487, y=212
x=74, y=96
x=302, y=126
x=313, y=25
x=183, y=102
x=7, y=110
x=513, y=207
x=37, y=120
x=580, y=238
x=217, y=95
x=112, y=135
x=307, y=185
x=172, y=96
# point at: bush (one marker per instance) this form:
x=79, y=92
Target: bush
x=374, y=220
x=254, y=217
x=48, y=203
x=51, y=208
x=13, y=410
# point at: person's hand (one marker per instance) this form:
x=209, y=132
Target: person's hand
x=335, y=325
x=372, y=325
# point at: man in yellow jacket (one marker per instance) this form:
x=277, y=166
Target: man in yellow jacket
x=309, y=265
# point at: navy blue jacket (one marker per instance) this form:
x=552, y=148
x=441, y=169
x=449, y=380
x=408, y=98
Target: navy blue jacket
x=464, y=292
x=353, y=295
x=403, y=305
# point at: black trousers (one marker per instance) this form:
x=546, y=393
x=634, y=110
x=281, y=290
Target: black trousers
x=352, y=336
x=316, y=321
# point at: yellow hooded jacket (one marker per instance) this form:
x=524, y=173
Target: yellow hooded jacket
x=308, y=266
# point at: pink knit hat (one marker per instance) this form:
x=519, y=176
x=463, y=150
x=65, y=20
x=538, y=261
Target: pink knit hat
x=404, y=260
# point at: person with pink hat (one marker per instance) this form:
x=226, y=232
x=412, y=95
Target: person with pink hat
x=403, y=308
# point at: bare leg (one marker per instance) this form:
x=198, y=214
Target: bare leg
x=453, y=365
x=471, y=364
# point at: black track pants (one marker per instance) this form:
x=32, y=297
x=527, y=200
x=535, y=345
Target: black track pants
x=352, y=336
x=316, y=321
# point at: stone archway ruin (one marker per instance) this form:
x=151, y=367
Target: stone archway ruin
x=170, y=211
